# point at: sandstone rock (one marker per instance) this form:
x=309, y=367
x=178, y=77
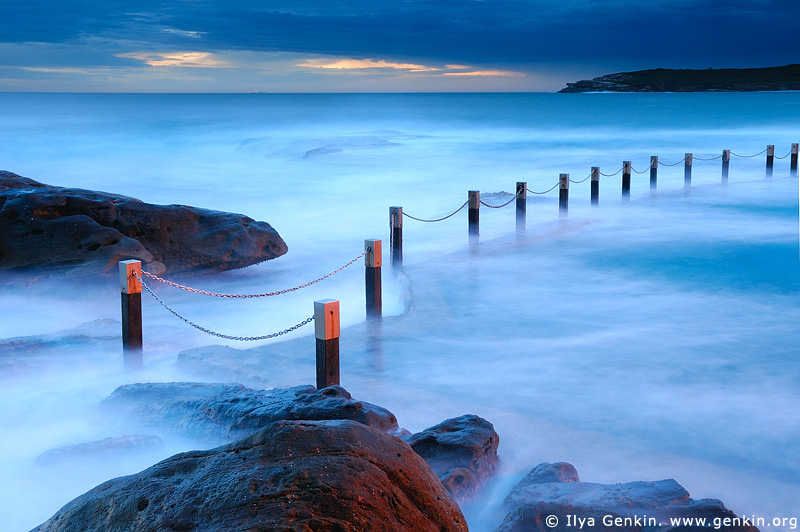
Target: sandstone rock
x=462, y=451
x=225, y=412
x=309, y=476
x=43, y=225
x=555, y=490
x=99, y=450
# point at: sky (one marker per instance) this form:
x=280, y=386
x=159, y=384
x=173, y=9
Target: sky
x=377, y=45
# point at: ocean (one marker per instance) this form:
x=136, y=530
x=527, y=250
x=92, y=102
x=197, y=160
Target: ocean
x=639, y=340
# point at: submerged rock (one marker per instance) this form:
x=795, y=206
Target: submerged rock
x=462, y=451
x=552, y=498
x=304, y=476
x=44, y=225
x=225, y=412
x=100, y=450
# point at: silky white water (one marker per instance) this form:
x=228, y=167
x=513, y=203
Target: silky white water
x=650, y=339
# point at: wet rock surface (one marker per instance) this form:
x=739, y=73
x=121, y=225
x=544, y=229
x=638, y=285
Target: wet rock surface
x=552, y=498
x=309, y=476
x=225, y=412
x=462, y=452
x=44, y=225
x=100, y=449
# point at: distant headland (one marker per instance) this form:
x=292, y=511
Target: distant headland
x=783, y=78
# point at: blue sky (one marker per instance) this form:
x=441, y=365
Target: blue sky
x=378, y=45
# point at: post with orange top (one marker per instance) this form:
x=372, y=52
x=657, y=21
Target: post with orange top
x=563, y=195
x=793, y=161
x=726, y=163
x=372, y=278
x=653, y=173
x=326, y=331
x=130, y=274
x=473, y=216
x=522, y=203
x=595, y=193
x=626, y=180
x=687, y=171
x=770, y=159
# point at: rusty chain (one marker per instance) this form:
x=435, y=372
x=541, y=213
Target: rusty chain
x=249, y=296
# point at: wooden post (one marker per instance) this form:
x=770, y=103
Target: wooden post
x=396, y=236
x=726, y=163
x=326, y=330
x=653, y=173
x=626, y=180
x=770, y=159
x=793, y=161
x=131, y=295
x=372, y=278
x=687, y=171
x=595, y=185
x=563, y=195
x=473, y=217
x=522, y=203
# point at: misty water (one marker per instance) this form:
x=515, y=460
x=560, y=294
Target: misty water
x=656, y=338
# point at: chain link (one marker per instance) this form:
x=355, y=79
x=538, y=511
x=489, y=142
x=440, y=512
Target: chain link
x=749, y=156
x=249, y=296
x=437, y=219
x=673, y=164
x=707, y=159
x=582, y=180
x=220, y=335
x=612, y=175
x=784, y=157
x=498, y=206
x=635, y=171
x=546, y=191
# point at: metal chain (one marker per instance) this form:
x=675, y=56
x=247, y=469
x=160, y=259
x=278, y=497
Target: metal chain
x=612, y=175
x=673, y=164
x=249, y=296
x=546, y=191
x=635, y=171
x=582, y=180
x=498, y=206
x=784, y=157
x=437, y=219
x=749, y=156
x=707, y=159
x=220, y=335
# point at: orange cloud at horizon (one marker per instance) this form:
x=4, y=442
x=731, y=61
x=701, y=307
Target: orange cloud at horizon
x=494, y=73
x=347, y=64
x=178, y=59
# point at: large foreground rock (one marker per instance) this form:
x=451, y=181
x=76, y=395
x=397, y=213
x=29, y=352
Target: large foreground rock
x=552, y=498
x=225, y=412
x=309, y=476
x=462, y=451
x=47, y=225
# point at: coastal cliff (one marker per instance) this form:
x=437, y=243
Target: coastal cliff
x=784, y=78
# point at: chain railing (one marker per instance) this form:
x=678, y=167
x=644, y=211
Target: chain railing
x=612, y=175
x=580, y=180
x=749, y=156
x=545, y=192
x=249, y=296
x=217, y=334
x=436, y=219
x=498, y=206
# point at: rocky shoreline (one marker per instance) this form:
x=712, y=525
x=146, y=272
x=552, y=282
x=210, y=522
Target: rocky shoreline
x=785, y=78
x=302, y=459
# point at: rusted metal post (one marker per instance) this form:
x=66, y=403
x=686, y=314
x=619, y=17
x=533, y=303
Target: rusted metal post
x=687, y=171
x=326, y=331
x=372, y=278
x=131, y=295
x=595, y=193
x=726, y=163
x=626, y=180
x=396, y=236
x=563, y=195
x=770, y=159
x=522, y=203
x=793, y=161
x=653, y=173
x=473, y=216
